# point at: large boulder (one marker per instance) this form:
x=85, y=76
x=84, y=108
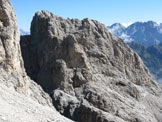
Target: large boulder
x=91, y=75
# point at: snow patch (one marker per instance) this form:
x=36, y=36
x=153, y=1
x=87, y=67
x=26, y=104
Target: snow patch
x=126, y=24
x=115, y=28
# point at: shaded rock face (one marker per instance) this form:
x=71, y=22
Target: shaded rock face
x=91, y=75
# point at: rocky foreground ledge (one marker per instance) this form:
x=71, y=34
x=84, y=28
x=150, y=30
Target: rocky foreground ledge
x=90, y=75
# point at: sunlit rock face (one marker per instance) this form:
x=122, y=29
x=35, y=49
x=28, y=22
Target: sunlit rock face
x=11, y=64
x=10, y=54
x=91, y=75
x=20, y=98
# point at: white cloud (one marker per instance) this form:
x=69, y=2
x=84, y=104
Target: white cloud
x=156, y=24
x=125, y=37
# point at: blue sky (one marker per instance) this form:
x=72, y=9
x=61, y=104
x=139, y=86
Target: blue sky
x=105, y=11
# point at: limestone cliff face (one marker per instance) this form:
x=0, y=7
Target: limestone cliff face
x=91, y=75
x=10, y=56
x=12, y=72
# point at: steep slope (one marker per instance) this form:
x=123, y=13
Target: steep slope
x=15, y=107
x=91, y=75
x=146, y=33
x=17, y=92
x=152, y=57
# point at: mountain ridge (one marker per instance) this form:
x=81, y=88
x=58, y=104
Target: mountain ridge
x=151, y=55
x=146, y=33
x=147, y=43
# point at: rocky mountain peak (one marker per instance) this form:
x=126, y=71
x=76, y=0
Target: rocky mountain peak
x=116, y=25
x=90, y=74
x=81, y=37
x=145, y=33
x=43, y=22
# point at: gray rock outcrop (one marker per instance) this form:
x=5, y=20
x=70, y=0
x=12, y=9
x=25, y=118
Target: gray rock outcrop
x=11, y=64
x=10, y=56
x=91, y=75
x=20, y=98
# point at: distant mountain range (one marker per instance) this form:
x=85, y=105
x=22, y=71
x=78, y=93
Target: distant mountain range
x=146, y=39
x=152, y=58
x=22, y=32
x=145, y=33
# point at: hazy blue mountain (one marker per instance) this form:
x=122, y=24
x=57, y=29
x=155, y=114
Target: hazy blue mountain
x=146, y=39
x=117, y=29
x=146, y=33
x=22, y=32
x=152, y=58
